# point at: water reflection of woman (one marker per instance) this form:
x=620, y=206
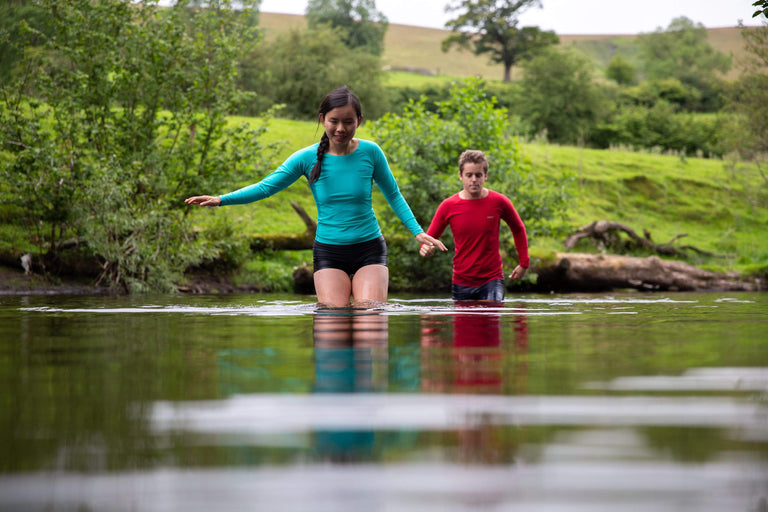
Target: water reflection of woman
x=350, y=350
x=350, y=357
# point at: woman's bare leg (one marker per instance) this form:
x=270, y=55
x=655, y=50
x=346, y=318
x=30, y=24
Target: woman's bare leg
x=333, y=287
x=370, y=284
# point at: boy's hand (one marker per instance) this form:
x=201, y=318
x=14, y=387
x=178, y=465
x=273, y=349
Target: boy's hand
x=426, y=250
x=429, y=243
x=518, y=273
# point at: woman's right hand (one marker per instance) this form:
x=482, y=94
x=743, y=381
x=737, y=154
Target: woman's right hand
x=204, y=200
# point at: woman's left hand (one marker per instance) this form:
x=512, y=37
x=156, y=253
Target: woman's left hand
x=431, y=242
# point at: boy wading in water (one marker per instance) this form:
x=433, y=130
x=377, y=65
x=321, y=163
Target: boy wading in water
x=474, y=215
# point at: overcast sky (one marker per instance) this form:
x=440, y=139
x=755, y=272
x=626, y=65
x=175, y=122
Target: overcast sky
x=569, y=16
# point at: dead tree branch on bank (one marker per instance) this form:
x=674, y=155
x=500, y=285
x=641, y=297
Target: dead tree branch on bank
x=606, y=235
x=602, y=272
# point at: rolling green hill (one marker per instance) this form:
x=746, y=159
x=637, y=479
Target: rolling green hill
x=417, y=49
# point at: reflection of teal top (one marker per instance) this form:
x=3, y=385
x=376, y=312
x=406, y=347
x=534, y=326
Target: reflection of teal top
x=342, y=194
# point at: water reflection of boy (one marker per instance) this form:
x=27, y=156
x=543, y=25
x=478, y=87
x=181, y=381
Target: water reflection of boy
x=480, y=362
x=474, y=216
x=350, y=357
x=477, y=353
x=470, y=359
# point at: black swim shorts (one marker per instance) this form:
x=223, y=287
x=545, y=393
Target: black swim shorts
x=349, y=258
x=492, y=290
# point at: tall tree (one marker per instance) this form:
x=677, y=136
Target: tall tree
x=683, y=51
x=560, y=96
x=762, y=8
x=490, y=27
x=363, y=25
x=749, y=96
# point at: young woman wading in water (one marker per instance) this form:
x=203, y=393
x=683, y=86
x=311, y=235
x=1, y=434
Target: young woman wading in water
x=349, y=251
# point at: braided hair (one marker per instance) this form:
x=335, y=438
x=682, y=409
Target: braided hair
x=337, y=98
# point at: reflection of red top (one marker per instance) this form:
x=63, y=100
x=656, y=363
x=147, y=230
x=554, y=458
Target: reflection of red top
x=475, y=227
x=476, y=331
x=477, y=352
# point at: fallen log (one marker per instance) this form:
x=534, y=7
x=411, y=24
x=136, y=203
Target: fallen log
x=287, y=242
x=303, y=280
x=281, y=242
x=568, y=272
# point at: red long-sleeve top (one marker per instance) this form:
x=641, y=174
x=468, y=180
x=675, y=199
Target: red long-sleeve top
x=475, y=226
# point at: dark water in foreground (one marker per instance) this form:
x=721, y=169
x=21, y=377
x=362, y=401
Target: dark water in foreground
x=261, y=402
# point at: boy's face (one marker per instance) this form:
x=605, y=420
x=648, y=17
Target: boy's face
x=473, y=179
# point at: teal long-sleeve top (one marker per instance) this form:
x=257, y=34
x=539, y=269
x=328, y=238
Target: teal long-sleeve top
x=342, y=193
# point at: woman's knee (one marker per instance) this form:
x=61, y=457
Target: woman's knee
x=333, y=287
x=371, y=283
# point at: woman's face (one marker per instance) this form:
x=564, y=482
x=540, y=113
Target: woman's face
x=340, y=124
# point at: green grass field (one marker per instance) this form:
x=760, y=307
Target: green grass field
x=720, y=205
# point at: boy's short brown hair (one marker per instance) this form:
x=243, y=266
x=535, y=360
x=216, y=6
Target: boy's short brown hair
x=473, y=156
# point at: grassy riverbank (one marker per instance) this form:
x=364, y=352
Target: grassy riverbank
x=719, y=204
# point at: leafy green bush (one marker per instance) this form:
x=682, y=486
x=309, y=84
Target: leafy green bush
x=621, y=70
x=560, y=97
x=425, y=147
x=505, y=95
x=669, y=90
x=661, y=127
x=122, y=116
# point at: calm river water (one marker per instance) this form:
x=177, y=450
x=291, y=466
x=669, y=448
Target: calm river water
x=627, y=402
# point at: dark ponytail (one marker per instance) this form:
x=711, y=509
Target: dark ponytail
x=337, y=98
x=321, y=149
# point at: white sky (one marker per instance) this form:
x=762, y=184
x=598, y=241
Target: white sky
x=570, y=17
